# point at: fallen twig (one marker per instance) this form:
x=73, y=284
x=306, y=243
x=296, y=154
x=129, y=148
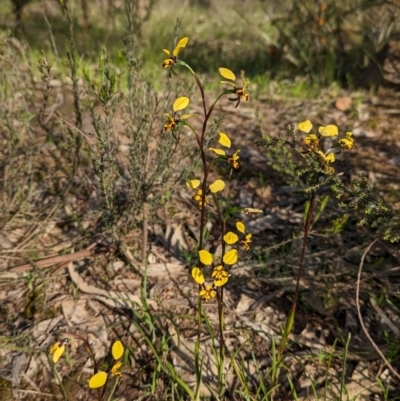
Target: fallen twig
x=387, y=363
x=65, y=259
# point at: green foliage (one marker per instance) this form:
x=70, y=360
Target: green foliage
x=375, y=211
x=104, y=99
x=359, y=195
x=279, y=158
x=339, y=223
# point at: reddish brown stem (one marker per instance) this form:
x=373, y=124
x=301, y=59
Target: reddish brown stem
x=307, y=229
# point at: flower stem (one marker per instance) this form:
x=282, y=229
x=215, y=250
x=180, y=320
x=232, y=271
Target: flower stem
x=292, y=313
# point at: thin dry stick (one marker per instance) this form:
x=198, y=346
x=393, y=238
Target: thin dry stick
x=53, y=260
x=387, y=363
x=37, y=227
x=90, y=142
x=53, y=396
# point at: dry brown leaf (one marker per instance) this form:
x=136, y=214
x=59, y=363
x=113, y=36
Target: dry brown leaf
x=110, y=298
x=343, y=103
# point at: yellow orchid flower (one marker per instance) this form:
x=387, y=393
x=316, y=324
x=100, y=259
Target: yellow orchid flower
x=224, y=140
x=115, y=370
x=248, y=238
x=233, y=160
x=216, y=186
x=197, y=197
x=57, y=350
x=347, y=142
x=207, y=293
x=173, y=58
x=240, y=91
x=171, y=121
x=311, y=141
x=99, y=379
x=246, y=242
x=220, y=276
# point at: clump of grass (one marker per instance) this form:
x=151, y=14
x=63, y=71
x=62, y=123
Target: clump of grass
x=322, y=39
x=132, y=188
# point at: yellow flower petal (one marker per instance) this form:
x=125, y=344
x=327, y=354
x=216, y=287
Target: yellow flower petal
x=226, y=73
x=117, y=350
x=330, y=158
x=205, y=257
x=231, y=257
x=57, y=352
x=98, y=380
x=167, y=51
x=305, y=126
x=216, y=186
x=197, y=275
x=197, y=195
x=329, y=130
x=181, y=44
x=231, y=238
x=222, y=281
x=193, y=184
x=181, y=103
x=219, y=152
x=185, y=116
x=240, y=227
x=54, y=348
x=229, y=83
x=224, y=140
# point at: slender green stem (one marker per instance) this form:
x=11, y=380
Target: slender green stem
x=60, y=381
x=307, y=229
x=194, y=132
